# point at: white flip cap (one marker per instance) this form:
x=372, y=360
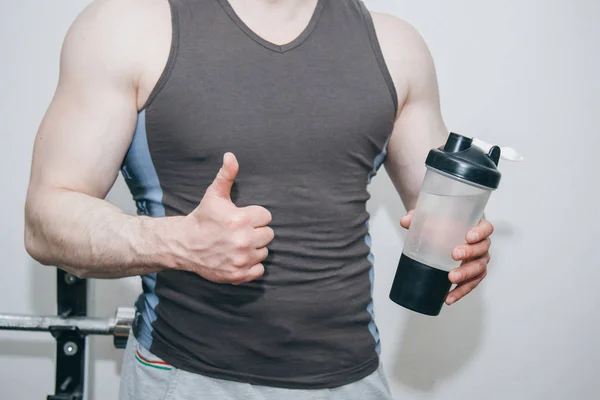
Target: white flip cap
x=506, y=153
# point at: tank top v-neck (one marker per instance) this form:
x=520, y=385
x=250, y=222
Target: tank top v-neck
x=309, y=123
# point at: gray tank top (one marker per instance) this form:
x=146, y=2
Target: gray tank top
x=309, y=122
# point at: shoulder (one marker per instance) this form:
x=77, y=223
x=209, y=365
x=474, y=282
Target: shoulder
x=133, y=10
x=399, y=39
x=406, y=53
x=115, y=17
x=117, y=43
x=390, y=25
x=114, y=31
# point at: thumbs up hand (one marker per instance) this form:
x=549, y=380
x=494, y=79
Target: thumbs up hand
x=221, y=242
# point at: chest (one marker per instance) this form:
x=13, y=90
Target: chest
x=319, y=105
x=296, y=110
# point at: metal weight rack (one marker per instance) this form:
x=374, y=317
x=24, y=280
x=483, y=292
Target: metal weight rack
x=70, y=328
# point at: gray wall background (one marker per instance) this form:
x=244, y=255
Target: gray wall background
x=518, y=73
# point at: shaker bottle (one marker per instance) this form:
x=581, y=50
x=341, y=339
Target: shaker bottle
x=459, y=180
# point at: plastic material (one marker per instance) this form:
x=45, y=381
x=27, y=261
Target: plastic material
x=419, y=287
x=446, y=209
x=459, y=181
x=462, y=160
x=506, y=153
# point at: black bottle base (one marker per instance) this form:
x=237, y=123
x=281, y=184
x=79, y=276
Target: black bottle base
x=419, y=287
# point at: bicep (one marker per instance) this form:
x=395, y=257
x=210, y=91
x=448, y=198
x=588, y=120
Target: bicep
x=418, y=130
x=419, y=126
x=82, y=141
x=89, y=124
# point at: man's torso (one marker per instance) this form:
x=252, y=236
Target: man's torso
x=308, y=122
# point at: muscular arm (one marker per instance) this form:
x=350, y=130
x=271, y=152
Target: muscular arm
x=77, y=154
x=80, y=147
x=419, y=126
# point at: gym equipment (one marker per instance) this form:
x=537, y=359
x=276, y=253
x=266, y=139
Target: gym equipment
x=70, y=327
x=118, y=326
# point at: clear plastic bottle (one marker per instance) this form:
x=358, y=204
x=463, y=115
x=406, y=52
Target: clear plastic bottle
x=446, y=210
x=458, y=183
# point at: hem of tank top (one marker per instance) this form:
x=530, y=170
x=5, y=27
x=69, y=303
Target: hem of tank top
x=376, y=47
x=345, y=377
x=171, y=60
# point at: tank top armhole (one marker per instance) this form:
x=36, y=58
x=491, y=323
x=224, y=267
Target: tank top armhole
x=171, y=60
x=368, y=21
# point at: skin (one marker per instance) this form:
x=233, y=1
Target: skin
x=420, y=127
x=106, y=76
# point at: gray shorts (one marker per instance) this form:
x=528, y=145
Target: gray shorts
x=146, y=377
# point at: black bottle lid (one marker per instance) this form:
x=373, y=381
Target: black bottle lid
x=459, y=158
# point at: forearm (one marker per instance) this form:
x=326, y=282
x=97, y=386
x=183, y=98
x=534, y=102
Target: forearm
x=405, y=164
x=91, y=238
x=407, y=180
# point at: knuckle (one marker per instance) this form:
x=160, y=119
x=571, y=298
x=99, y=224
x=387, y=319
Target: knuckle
x=243, y=243
x=237, y=276
x=458, y=294
x=482, y=265
x=264, y=254
x=261, y=269
x=257, y=271
x=268, y=215
x=240, y=261
x=491, y=227
x=468, y=251
x=467, y=274
x=237, y=221
x=231, y=222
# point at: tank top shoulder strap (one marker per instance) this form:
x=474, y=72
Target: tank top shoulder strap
x=194, y=20
x=191, y=20
x=367, y=21
x=173, y=53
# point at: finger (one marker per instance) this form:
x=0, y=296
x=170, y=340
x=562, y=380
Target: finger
x=483, y=230
x=464, y=289
x=221, y=186
x=261, y=254
x=469, y=270
x=469, y=251
x=245, y=257
x=252, y=274
x=406, y=220
x=259, y=216
x=262, y=237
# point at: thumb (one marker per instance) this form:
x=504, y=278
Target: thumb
x=221, y=186
x=407, y=219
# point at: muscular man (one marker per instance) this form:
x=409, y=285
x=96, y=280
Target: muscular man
x=247, y=131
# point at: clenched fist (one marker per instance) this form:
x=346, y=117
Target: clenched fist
x=219, y=241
